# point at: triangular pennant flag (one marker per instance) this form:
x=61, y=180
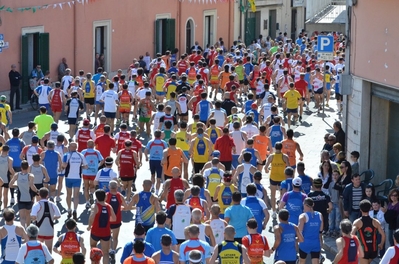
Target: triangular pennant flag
x=2, y=7
x=60, y=4
x=21, y=9
x=69, y=3
x=78, y=1
x=73, y=2
x=34, y=9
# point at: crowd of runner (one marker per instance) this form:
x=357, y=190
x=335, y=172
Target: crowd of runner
x=218, y=127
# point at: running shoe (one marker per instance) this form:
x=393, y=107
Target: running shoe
x=12, y=201
x=300, y=118
x=322, y=259
x=274, y=215
x=87, y=205
x=75, y=215
x=51, y=199
x=134, y=187
x=58, y=199
x=91, y=199
x=69, y=213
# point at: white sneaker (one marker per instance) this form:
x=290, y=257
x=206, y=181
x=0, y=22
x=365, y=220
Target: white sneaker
x=274, y=215
x=12, y=201
x=58, y=199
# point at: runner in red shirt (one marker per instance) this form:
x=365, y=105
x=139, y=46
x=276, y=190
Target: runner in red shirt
x=117, y=202
x=171, y=185
x=127, y=165
x=121, y=136
x=231, y=83
x=99, y=224
x=105, y=143
x=256, y=244
x=83, y=135
x=226, y=147
x=182, y=65
x=302, y=87
x=56, y=98
x=99, y=129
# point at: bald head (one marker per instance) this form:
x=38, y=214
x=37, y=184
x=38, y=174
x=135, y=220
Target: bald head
x=196, y=215
x=147, y=184
x=176, y=172
x=229, y=232
x=113, y=185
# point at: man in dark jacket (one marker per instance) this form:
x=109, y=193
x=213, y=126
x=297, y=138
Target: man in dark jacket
x=339, y=134
x=15, y=80
x=353, y=194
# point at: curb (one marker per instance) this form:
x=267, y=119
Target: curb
x=25, y=108
x=330, y=246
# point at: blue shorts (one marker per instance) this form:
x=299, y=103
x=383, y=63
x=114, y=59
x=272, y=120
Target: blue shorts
x=160, y=93
x=53, y=181
x=73, y=183
x=7, y=262
x=156, y=167
x=328, y=86
x=99, y=103
x=187, y=154
x=234, y=162
x=293, y=167
x=46, y=105
x=109, y=115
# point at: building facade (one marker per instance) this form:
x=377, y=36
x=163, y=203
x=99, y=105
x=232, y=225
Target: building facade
x=121, y=30
x=372, y=105
x=271, y=18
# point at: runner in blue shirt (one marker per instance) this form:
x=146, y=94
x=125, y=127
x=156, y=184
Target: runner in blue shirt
x=257, y=206
x=155, y=234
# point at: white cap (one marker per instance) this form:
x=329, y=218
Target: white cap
x=297, y=181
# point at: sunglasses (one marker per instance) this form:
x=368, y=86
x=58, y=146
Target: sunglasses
x=394, y=195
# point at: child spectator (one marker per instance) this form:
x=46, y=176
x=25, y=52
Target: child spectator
x=378, y=214
x=334, y=215
x=354, y=158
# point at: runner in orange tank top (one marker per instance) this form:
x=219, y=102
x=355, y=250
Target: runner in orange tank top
x=290, y=147
x=173, y=157
x=263, y=145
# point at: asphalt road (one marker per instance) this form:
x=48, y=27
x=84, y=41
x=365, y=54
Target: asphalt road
x=126, y=234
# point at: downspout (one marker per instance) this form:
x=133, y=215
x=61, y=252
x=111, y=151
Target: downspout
x=240, y=18
x=348, y=42
x=230, y=27
x=74, y=40
x=179, y=27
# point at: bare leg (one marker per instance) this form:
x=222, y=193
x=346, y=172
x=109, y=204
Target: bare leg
x=60, y=181
x=115, y=235
x=105, y=248
x=76, y=197
x=273, y=189
x=68, y=198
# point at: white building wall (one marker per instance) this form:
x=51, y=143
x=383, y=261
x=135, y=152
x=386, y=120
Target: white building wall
x=354, y=116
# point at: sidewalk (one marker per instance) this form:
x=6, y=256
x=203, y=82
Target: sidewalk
x=310, y=136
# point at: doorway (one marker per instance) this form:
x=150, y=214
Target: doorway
x=101, y=45
x=294, y=15
x=189, y=35
x=210, y=27
x=272, y=23
x=35, y=51
x=165, y=35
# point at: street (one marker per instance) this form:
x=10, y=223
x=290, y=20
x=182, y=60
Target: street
x=126, y=234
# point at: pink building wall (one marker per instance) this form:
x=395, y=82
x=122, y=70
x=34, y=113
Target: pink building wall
x=375, y=36
x=132, y=29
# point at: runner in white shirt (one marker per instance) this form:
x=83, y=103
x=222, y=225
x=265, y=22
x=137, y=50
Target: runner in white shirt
x=157, y=116
x=66, y=81
x=219, y=115
x=267, y=108
x=111, y=101
x=249, y=128
x=140, y=95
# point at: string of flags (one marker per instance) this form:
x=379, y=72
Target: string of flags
x=83, y=2
x=43, y=7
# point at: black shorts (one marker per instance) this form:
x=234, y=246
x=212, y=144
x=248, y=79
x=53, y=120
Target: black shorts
x=184, y=114
x=5, y=185
x=313, y=255
x=72, y=121
x=89, y=101
x=227, y=165
x=214, y=201
x=246, y=82
x=292, y=111
x=39, y=186
x=17, y=169
x=241, y=81
x=338, y=96
x=127, y=179
x=114, y=226
x=275, y=183
x=110, y=114
x=263, y=163
x=96, y=238
x=180, y=241
x=370, y=254
x=167, y=177
x=320, y=91
x=287, y=262
x=198, y=167
x=25, y=205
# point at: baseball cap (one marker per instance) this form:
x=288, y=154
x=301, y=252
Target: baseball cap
x=139, y=230
x=216, y=153
x=86, y=122
x=54, y=125
x=297, y=181
x=35, y=139
x=3, y=98
x=95, y=255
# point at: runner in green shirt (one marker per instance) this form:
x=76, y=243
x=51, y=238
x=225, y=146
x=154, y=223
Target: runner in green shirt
x=43, y=122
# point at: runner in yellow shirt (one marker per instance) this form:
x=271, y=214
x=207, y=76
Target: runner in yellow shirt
x=292, y=96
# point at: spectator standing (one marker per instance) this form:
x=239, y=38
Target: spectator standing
x=15, y=81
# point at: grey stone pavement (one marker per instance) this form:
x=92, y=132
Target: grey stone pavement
x=309, y=134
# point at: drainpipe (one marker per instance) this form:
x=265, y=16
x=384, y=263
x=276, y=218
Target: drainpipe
x=230, y=27
x=348, y=41
x=239, y=8
x=74, y=39
x=179, y=27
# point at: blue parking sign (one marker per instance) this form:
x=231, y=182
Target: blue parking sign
x=325, y=44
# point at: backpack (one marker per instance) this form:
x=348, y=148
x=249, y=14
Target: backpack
x=68, y=167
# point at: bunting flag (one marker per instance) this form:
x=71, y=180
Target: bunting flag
x=252, y=4
x=60, y=5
